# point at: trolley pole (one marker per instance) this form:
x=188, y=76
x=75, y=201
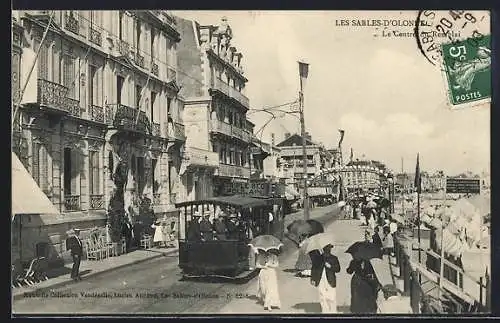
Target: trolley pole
x=303, y=73
x=305, y=196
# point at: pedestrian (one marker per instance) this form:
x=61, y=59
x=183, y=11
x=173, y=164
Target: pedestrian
x=325, y=265
x=75, y=245
x=268, y=291
x=387, y=242
x=206, y=229
x=376, y=238
x=364, y=286
x=393, y=227
x=220, y=229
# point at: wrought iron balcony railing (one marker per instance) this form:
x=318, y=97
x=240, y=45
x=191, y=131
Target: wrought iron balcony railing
x=156, y=199
x=71, y=24
x=96, y=114
x=155, y=69
x=123, y=48
x=233, y=171
x=126, y=118
x=229, y=91
x=96, y=202
x=139, y=60
x=54, y=96
x=95, y=36
x=156, y=129
x=176, y=131
x=72, y=202
x=230, y=130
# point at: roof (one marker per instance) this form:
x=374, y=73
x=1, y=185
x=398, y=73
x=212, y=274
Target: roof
x=297, y=139
x=27, y=197
x=234, y=200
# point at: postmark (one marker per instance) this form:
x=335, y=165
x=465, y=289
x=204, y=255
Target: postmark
x=435, y=28
x=467, y=69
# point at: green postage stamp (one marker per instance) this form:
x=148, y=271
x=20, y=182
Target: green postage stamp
x=467, y=67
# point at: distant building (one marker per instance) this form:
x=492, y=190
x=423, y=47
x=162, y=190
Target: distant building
x=215, y=109
x=364, y=175
x=291, y=157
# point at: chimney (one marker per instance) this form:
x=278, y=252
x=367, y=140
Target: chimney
x=287, y=135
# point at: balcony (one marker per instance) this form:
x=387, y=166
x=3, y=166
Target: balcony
x=123, y=48
x=139, y=60
x=155, y=69
x=230, y=130
x=156, y=129
x=72, y=203
x=171, y=74
x=96, y=202
x=129, y=119
x=201, y=158
x=71, y=24
x=54, y=96
x=229, y=91
x=176, y=131
x=156, y=199
x=95, y=37
x=233, y=171
x=96, y=114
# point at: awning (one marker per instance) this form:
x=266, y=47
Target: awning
x=27, y=197
x=234, y=200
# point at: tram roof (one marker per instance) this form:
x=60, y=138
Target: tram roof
x=233, y=200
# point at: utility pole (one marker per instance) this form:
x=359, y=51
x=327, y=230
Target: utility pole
x=303, y=72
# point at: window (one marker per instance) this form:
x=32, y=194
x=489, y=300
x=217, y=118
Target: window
x=156, y=185
x=152, y=108
x=94, y=184
x=43, y=59
x=138, y=36
x=120, y=25
x=169, y=104
x=95, y=16
x=140, y=175
x=138, y=96
x=153, y=35
x=41, y=166
x=92, y=85
x=69, y=75
x=71, y=162
x=119, y=88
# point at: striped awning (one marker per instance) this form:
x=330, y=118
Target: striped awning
x=27, y=197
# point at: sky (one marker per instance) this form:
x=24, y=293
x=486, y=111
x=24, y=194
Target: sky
x=389, y=99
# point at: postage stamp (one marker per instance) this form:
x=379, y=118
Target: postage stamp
x=467, y=68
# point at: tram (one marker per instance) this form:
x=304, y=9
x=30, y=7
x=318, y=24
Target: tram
x=214, y=233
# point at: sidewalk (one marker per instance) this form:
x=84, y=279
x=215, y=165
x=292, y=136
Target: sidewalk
x=297, y=294
x=61, y=276
x=91, y=268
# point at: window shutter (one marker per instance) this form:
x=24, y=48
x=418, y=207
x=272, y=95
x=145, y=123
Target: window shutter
x=69, y=76
x=36, y=163
x=43, y=58
x=44, y=169
x=95, y=176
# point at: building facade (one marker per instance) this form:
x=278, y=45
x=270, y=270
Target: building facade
x=215, y=109
x=291, y=157
x=364, y=175
x=100, y=124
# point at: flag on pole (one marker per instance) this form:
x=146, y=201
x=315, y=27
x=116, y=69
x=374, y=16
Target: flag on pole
x=341, y=136
x=352, y=155
x=303, y=73
x=418, y=179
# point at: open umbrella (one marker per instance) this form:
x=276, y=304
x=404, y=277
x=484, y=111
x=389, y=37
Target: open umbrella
x=301, y=228
x=317, y=242
x=364, y=250
x=266, y=242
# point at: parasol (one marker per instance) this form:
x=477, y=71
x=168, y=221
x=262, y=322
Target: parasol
x=266, y=242
x=317, y=242
x=301, y=228
x=364, y=250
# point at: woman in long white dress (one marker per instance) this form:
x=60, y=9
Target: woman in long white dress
x=268, y=279
x=161, y=233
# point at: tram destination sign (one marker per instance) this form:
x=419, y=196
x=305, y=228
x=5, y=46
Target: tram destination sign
x=463, y=185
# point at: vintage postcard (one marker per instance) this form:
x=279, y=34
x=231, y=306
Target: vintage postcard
x=250, y=162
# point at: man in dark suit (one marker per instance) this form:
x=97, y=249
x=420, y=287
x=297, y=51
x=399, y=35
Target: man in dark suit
x=75, y=244
x=325, y=265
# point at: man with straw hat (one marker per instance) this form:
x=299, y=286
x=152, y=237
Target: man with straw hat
x=75, y=245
